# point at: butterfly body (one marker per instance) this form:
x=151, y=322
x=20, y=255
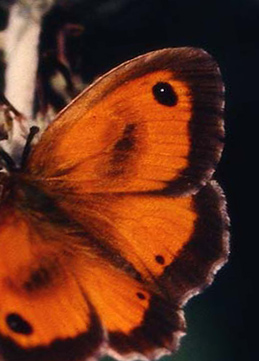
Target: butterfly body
x=112, y=223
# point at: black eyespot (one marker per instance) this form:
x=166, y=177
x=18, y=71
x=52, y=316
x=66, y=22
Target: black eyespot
x=165, y=94
x=18, y=325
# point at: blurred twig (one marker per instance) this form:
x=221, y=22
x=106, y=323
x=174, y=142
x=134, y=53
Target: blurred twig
x=40, y=75
x=21, y=52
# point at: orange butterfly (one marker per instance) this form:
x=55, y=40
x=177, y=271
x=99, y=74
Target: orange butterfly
x=112, y=223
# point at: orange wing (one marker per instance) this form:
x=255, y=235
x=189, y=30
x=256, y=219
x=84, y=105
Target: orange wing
x=41, y=300
x=100, y=190
x=150, y=124
x=68, y=288
x=62, y=299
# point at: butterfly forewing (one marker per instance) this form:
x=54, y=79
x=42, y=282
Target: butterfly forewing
x=150, y=124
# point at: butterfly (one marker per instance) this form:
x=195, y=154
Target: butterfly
x=112, y=221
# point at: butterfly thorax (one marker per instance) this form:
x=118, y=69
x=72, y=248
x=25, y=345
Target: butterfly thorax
x=19, y=193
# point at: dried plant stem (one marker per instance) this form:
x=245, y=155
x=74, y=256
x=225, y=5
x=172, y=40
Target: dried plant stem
x=21, y=51
x=22, y=37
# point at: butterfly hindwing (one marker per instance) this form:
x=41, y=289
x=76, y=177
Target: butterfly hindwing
x=175, y=246
x=58, y=298
x=61, y=290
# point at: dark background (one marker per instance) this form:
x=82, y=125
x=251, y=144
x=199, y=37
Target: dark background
x=221, y=321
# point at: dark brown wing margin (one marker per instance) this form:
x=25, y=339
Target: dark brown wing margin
x=192, y=271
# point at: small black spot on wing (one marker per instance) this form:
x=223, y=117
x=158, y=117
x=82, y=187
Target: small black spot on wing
x=18, y=325
x=160, y=259
x=141, y=295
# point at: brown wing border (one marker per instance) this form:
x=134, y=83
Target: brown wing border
x=192, y=271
